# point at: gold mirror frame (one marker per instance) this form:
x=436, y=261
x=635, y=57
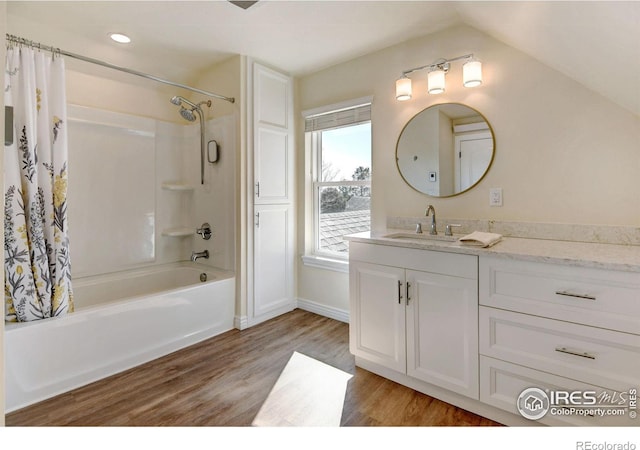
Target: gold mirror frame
x=424, y=139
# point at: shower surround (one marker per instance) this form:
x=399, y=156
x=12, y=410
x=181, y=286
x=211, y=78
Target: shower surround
x=135, y=197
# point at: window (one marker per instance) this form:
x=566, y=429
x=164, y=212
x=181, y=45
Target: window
x=340, y=143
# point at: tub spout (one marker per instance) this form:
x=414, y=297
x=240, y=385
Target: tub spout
x=195, y=255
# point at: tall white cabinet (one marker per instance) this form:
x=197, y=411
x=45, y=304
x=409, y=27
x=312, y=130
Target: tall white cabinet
x=271, y=204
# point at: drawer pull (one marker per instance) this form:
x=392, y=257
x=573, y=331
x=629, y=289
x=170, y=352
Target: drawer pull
x=573, y=352
x=571, y=294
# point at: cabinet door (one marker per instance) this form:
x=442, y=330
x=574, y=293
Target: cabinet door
x=272, y=166
x=273, y=262
x=377, y=331
x=442, y=331
x=273, y=136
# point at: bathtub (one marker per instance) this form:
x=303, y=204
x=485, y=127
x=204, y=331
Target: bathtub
x=121, y=320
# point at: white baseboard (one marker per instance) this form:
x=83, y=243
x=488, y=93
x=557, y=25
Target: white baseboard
x=251, y=321
x=324, y=310
x=241, y=322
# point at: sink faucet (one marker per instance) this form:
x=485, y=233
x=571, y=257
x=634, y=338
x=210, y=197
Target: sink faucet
x=431, y=209
x=203, y=254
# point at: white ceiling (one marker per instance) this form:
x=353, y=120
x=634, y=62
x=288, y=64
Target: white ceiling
x=596, y=43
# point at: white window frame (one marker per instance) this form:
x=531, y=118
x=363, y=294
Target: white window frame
x=323, y=258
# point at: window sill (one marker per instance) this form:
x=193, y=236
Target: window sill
x=322, y=262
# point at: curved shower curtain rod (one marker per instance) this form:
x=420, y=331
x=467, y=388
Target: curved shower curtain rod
x=56, y=51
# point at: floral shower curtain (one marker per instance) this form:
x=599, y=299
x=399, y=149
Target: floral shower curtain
x=36, y=247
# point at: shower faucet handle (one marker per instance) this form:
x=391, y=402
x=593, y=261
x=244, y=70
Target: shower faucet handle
x=204, y=231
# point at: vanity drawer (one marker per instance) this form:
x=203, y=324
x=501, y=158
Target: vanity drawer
x=501, y=383
x=602, y=298
x=592, y=355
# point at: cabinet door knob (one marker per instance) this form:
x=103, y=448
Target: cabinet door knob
x=408, y=298
x=399, y=292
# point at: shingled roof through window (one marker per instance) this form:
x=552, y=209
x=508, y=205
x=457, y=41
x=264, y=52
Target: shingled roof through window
x=335, y=225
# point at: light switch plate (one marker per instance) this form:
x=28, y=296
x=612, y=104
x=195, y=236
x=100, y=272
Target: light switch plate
x=495, y=197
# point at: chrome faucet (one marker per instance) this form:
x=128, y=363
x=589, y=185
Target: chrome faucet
x=431, y=209
x=203, y=254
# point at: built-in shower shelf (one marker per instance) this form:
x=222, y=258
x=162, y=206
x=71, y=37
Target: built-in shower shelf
x=178, y=232
x=177, y=187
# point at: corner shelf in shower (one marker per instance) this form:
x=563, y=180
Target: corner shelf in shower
x=178, y=232
x=177, y=187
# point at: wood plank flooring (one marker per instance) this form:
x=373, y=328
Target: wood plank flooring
x=224, y=380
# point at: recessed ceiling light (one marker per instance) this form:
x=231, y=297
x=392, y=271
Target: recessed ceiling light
x=120, y=38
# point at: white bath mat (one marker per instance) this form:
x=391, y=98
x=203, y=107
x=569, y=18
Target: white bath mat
x=308, y=393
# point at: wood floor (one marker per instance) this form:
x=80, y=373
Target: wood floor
x=223, y=381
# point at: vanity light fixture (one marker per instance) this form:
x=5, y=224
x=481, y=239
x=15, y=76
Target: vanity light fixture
x=471, y=76
x=435, y=80
x=120, y=38
x=472, y=73
x=403, y=88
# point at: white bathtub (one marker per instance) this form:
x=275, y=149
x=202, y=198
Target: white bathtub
x=121, y=320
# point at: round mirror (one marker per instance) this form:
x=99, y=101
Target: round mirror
x=445, y=150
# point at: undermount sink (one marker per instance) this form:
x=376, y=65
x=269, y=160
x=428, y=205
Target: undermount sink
x=422, y=237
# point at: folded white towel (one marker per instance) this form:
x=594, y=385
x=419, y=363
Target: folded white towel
x=481, y=239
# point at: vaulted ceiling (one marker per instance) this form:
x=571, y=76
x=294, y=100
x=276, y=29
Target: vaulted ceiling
x=595, y=43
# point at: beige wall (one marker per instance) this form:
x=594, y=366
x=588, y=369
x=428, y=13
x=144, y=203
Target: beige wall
x=223, y=79
x=138, y=97
x=564, y=154
x=130, y=94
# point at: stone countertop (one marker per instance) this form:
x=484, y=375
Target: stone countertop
x=579, y=254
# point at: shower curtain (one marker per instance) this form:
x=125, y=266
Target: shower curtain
x=36, y=244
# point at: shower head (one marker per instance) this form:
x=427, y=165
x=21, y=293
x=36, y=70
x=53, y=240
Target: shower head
x=188, y=114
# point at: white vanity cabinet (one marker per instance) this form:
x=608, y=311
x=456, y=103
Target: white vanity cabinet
x=557, y=327
x=416, y=312
x=477, y=327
